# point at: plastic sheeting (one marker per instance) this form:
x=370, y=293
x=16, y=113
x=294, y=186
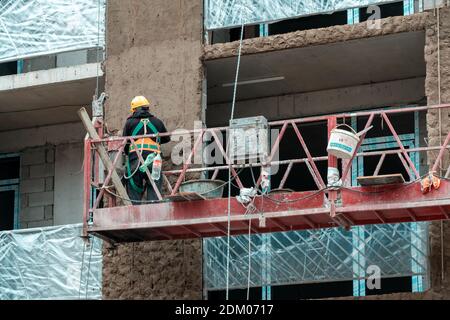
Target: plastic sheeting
x=318, y=256
x=41, y=27
x=49, y=263
x=229, y=13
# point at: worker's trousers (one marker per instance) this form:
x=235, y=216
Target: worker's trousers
x=141, y=184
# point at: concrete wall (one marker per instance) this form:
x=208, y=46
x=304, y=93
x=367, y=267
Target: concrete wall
x=36, y=187
x=17, y=140
x=68, y=184
x=51, y=180
x=390, y=93
x=154, y=49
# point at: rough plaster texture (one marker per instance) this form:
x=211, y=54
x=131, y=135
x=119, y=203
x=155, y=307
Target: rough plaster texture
x=153, y=270
x=154, y=49
x=439, y=286
x=313, y=37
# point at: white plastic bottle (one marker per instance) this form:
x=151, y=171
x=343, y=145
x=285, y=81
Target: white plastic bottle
x=156, y=169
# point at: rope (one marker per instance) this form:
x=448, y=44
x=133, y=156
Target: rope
x=229, y=167
x=132, y=174
x=249, y=257
x=98, y=46
x=440, y=132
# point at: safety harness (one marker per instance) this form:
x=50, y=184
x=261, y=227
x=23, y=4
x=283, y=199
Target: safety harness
x=143, y=144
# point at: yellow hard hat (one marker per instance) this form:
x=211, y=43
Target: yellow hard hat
x=138, y=101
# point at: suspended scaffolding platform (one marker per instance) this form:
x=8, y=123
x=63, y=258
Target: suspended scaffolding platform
x=384, y=201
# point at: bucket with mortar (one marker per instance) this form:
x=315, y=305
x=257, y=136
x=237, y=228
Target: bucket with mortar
x=209, y=189
x=343, y=143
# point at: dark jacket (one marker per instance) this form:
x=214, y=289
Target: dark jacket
x=133, y=121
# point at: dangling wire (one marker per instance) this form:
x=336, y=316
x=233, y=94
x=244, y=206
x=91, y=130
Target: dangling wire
x=440, y=131
x=230, y=164
x=89, y=267
x=98, y=50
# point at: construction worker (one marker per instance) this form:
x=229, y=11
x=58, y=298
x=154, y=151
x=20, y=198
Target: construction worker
x=142, y=122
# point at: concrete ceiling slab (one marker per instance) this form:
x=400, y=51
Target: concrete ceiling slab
x=46, y=97
x=336, y=65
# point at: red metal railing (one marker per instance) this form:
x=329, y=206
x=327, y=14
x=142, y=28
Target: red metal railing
x=93, y=174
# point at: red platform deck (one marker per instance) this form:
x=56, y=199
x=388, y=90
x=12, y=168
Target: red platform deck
x=324, y=208
x=283, y=212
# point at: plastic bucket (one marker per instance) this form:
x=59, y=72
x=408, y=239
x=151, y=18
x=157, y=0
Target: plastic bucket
x=207, y=188
x=342, y=143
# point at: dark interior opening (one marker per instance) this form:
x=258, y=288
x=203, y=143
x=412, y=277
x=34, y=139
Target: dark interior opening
x=291, y=292
x=8, y=68
x=9, y=168
x=235, y=294
x=234, y=34
x=313, y=290
x=299, y=179
x=386, y=10
x=7, y=210
x=391, y=285
x=316, y=137
x=322, y=290
x=404, y=125
x=309, y=22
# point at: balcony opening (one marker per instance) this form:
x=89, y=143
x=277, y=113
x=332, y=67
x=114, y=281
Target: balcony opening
x=386, y=10
x=309, y=22
x=233, y=34
x=8, y=68
x=322, y=290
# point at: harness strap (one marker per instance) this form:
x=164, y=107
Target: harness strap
x=148, y=124
x=133, y=185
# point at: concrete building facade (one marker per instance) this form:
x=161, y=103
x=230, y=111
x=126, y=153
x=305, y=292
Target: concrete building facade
x=39, y=124
x=161, y=50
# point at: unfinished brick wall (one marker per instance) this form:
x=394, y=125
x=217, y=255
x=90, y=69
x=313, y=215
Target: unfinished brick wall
x=37, y=187
x=154, y=49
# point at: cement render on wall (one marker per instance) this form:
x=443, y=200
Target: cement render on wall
x=154, y=49
x=439, y=286
x=313, y=37
x=161, y=60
